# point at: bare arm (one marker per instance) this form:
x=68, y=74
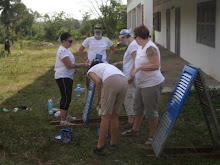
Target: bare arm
x=113, y=50
x=81, y=53
x=131, y=79
x=118, y=63
x=70, y=65
x=153, y=57
x=133, y=54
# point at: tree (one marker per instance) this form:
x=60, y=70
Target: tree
x=6, y=6
x=114, y=17
x=111, y=13
x=24, y=20
x=16, y=18
x=58, y=23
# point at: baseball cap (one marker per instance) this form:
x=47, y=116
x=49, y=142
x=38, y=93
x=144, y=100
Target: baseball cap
x=124, y=32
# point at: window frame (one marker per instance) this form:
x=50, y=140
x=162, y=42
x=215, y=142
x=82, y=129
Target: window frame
x=206, y=22
x=157, y=21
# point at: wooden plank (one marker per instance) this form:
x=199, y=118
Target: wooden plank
x=91, y=120
x=208, y=155
x=80, y=125
x=188, y=148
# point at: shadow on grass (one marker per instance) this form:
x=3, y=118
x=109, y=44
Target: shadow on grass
x=36, y=95
x=27, y=134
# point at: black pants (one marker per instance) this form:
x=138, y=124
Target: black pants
x=65, y=85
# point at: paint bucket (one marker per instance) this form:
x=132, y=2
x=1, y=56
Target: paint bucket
x=66, y=135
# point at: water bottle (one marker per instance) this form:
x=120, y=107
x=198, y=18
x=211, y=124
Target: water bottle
x=50, y=106
x=78, y=90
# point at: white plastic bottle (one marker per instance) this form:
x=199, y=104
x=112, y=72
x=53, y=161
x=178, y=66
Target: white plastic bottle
x=78, y=90
x=50, y=106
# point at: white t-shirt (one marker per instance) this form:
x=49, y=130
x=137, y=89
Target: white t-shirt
x=128, y=59
x=104, y=71
x=95, y=46
x=147, y=78
x=61, y=71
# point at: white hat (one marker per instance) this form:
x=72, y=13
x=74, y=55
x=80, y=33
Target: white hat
x=124, y=32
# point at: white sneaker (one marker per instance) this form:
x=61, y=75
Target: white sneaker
x=70, y=118
x=65, y=123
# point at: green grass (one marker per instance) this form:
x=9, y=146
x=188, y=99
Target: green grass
x=27, y=78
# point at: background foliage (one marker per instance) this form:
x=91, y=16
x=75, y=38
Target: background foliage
x=19, y=22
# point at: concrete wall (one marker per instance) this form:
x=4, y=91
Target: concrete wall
x=205, y=57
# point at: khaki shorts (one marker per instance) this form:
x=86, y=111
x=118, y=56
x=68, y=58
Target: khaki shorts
x=146, y=101
x=113, y=94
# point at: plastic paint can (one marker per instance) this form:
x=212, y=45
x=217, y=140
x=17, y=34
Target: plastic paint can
x=66, y=135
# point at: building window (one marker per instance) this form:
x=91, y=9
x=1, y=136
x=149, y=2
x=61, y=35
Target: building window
x=206, y=13
x=157, y=21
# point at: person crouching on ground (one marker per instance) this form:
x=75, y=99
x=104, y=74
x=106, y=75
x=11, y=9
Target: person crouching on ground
x=64, y=71
x=111, y=86
x=149, y=81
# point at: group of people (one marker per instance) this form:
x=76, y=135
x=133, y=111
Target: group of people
x=137, y=87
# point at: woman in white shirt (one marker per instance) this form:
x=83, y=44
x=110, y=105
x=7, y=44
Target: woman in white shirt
x=149, y=83
x=126, y=38
x=111, y=86
x=64, y=71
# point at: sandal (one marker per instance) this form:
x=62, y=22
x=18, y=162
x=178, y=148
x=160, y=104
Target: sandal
x=149, y=141
x=130, y=132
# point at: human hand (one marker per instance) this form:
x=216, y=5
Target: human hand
x=86, y=65
x=87, y=61
x=108, y=59
x=132, y=75
x=76, y=70
x=130, y=79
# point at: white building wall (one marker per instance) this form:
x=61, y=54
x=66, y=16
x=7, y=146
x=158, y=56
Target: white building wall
x=160, y=37
x=138, y=13
x=135, y=5
x=148, y=15
x=134, y=18
x=129, y=20
x=202, y=56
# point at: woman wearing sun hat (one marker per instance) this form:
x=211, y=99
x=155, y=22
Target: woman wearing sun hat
x=126, y=38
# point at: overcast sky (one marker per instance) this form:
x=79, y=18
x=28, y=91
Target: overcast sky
x=74, y=8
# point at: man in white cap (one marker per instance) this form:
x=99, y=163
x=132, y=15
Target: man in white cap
x=126, y=38
x=96, y=48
